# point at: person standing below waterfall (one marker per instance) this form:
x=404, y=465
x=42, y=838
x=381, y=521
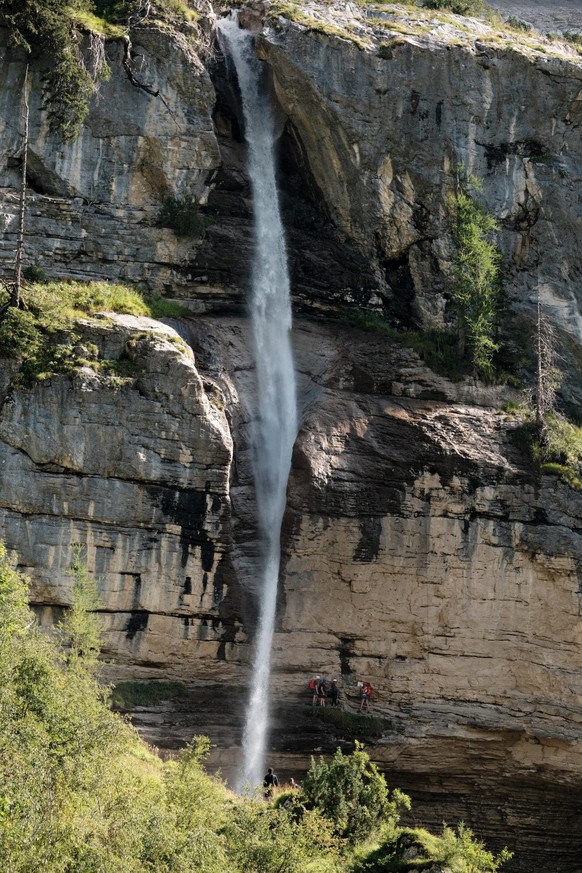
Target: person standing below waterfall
x=270, y=782
x=334, y=693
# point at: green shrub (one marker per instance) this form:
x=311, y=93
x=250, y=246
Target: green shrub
x=459, y=7
x=465, y=854
x=561, y=441
x=457, y=851
x=51, y=358
x=20, y=336
x=33, y=273
x=182, y=215
x=556, y=450
x=518, y=24
x=351, y=792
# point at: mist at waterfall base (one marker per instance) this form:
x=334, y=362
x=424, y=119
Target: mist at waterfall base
x=275, y=425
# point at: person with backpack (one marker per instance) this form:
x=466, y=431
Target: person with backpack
x=313, y=683
x=365, y=694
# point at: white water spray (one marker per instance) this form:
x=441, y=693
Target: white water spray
x=276, y=427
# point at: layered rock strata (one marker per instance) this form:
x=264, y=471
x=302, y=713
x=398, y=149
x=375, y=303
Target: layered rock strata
x=378, y=108
x=419, y=552
x=135, y=470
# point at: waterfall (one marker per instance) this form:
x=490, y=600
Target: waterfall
x=276, y=415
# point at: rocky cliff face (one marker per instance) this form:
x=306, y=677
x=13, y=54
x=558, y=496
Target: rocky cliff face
x=378, y=107
x=420, y=551
x=384, y=121
x=138, y=474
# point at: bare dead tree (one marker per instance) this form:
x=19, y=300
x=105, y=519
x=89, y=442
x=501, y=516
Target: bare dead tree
x=548, y=376
x=15, y=298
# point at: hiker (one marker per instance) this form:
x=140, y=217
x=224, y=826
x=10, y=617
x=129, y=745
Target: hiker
x=334, y=693
x=365, y=694
x=270, y=782
x=313, y=683
x=321, y=695
x=293, y=784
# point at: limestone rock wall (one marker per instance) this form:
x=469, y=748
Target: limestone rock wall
x=420, y=552
x=386, y=123
x=93, y=203
x=138, y=474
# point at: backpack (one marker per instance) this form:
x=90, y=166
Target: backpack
x=312, y=684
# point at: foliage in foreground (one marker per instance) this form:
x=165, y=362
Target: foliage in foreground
x=456, y=850
x=80, y=793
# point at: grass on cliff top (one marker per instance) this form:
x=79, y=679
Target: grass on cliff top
x=294, y=12
x=56, y=306
x=422, y=17
x=44, y=338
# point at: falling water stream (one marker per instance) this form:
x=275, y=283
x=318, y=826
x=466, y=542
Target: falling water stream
x=276, y=415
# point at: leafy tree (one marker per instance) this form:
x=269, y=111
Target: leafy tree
x=548, y=376
x=476, y=276
x=81, y=627
x=351, y=792
x=460, y=7
x=48, y=27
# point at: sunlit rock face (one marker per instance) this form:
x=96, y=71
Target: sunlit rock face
x=136, y=471
x=422, y=553
x=419, y=552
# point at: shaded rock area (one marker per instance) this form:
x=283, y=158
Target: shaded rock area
x=385, y=117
